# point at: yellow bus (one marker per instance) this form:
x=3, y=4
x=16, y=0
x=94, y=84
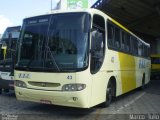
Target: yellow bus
x=155, y=66
x=78, y=58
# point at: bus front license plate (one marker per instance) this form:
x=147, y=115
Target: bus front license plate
x=45, y=101
x=11, y=85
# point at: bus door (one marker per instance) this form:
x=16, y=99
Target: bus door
x=97, y=57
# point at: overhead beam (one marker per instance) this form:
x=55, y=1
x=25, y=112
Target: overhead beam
x=99, y=3
x=137, y=15
x=141, y=20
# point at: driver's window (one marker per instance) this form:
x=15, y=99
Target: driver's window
x=3, y=50
x=97, y=43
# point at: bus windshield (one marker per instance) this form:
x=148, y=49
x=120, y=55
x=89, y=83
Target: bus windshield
x=9, y=40
x=55, y=42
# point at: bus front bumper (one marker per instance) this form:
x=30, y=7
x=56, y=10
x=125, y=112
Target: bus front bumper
x=62, y=98
x=6, y=84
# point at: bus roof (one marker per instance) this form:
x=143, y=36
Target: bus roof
x=92, y=11
x=13, y=28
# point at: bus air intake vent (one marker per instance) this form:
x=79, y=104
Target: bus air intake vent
x=44, y=84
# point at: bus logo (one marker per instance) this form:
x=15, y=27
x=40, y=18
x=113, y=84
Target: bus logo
x=112, y=59
x=24, y=75
x=43, y=85
x=141, y=64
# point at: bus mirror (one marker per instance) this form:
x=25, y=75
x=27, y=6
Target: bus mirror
x=4, y=46
x=92, y=29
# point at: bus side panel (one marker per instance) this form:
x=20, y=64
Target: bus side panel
x=140, y=71
x=99, y=83
x=101, y=78
x=112, y=67
x=128, y=73
x=86, y=78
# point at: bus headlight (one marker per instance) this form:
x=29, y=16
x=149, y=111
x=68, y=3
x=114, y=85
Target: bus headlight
x=73, y=87
x=7, y=66
x=20, y=84
x=1, y=66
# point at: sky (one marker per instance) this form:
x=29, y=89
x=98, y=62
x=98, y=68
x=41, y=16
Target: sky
x=12, y=12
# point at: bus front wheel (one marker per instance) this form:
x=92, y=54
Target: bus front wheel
x=6, y=90
x=109, y=95
x=143, y=83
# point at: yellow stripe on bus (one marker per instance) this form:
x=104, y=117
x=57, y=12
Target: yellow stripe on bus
x=128, y=72
x=114, y=21
x=155, y=55
x=155, y=66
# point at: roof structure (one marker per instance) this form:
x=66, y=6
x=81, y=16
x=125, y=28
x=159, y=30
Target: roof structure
x=140, y=16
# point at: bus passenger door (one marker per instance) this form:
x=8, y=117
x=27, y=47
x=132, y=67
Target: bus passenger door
x=97, y=58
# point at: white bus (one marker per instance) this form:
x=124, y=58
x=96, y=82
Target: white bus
x=7, y=57
x=78, y=58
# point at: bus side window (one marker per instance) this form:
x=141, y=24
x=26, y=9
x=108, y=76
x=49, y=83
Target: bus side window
x=97, y=43
x=128, y=42
x=144, y=51
x=123, y=41
x=139, y=48
x=117, y=38
x=148, y=52
x=97, y=40
x=136, y=46
x=110, y=29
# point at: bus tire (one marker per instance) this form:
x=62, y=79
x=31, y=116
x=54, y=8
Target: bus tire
x=143, y=83
x=6, y=90
x=109, y=95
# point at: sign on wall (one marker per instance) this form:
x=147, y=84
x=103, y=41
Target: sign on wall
x=76, y=4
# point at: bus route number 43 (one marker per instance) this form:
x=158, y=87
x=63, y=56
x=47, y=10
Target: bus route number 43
x=69, y=77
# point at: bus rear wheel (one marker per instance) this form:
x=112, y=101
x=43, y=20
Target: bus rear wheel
x=6, y=90
x=109, y=95
x=143, y=83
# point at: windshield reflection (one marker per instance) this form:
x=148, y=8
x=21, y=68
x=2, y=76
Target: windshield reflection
x=9, y=43
x=55, y=42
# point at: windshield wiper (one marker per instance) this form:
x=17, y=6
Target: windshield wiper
x=52, y=57
x=29, y=63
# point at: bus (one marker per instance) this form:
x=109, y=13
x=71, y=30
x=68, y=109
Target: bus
x=78, y=58
x=155, y=66
x=0, y=37
x=7, y=49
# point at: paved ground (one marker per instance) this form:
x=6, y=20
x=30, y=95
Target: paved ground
x=134, y=105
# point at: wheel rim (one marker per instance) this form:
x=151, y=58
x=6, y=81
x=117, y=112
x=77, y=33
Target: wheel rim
x=143, y=85
x=109, y=93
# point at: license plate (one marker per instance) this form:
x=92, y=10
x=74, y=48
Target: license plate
x=11, y=85
x=45, y=101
